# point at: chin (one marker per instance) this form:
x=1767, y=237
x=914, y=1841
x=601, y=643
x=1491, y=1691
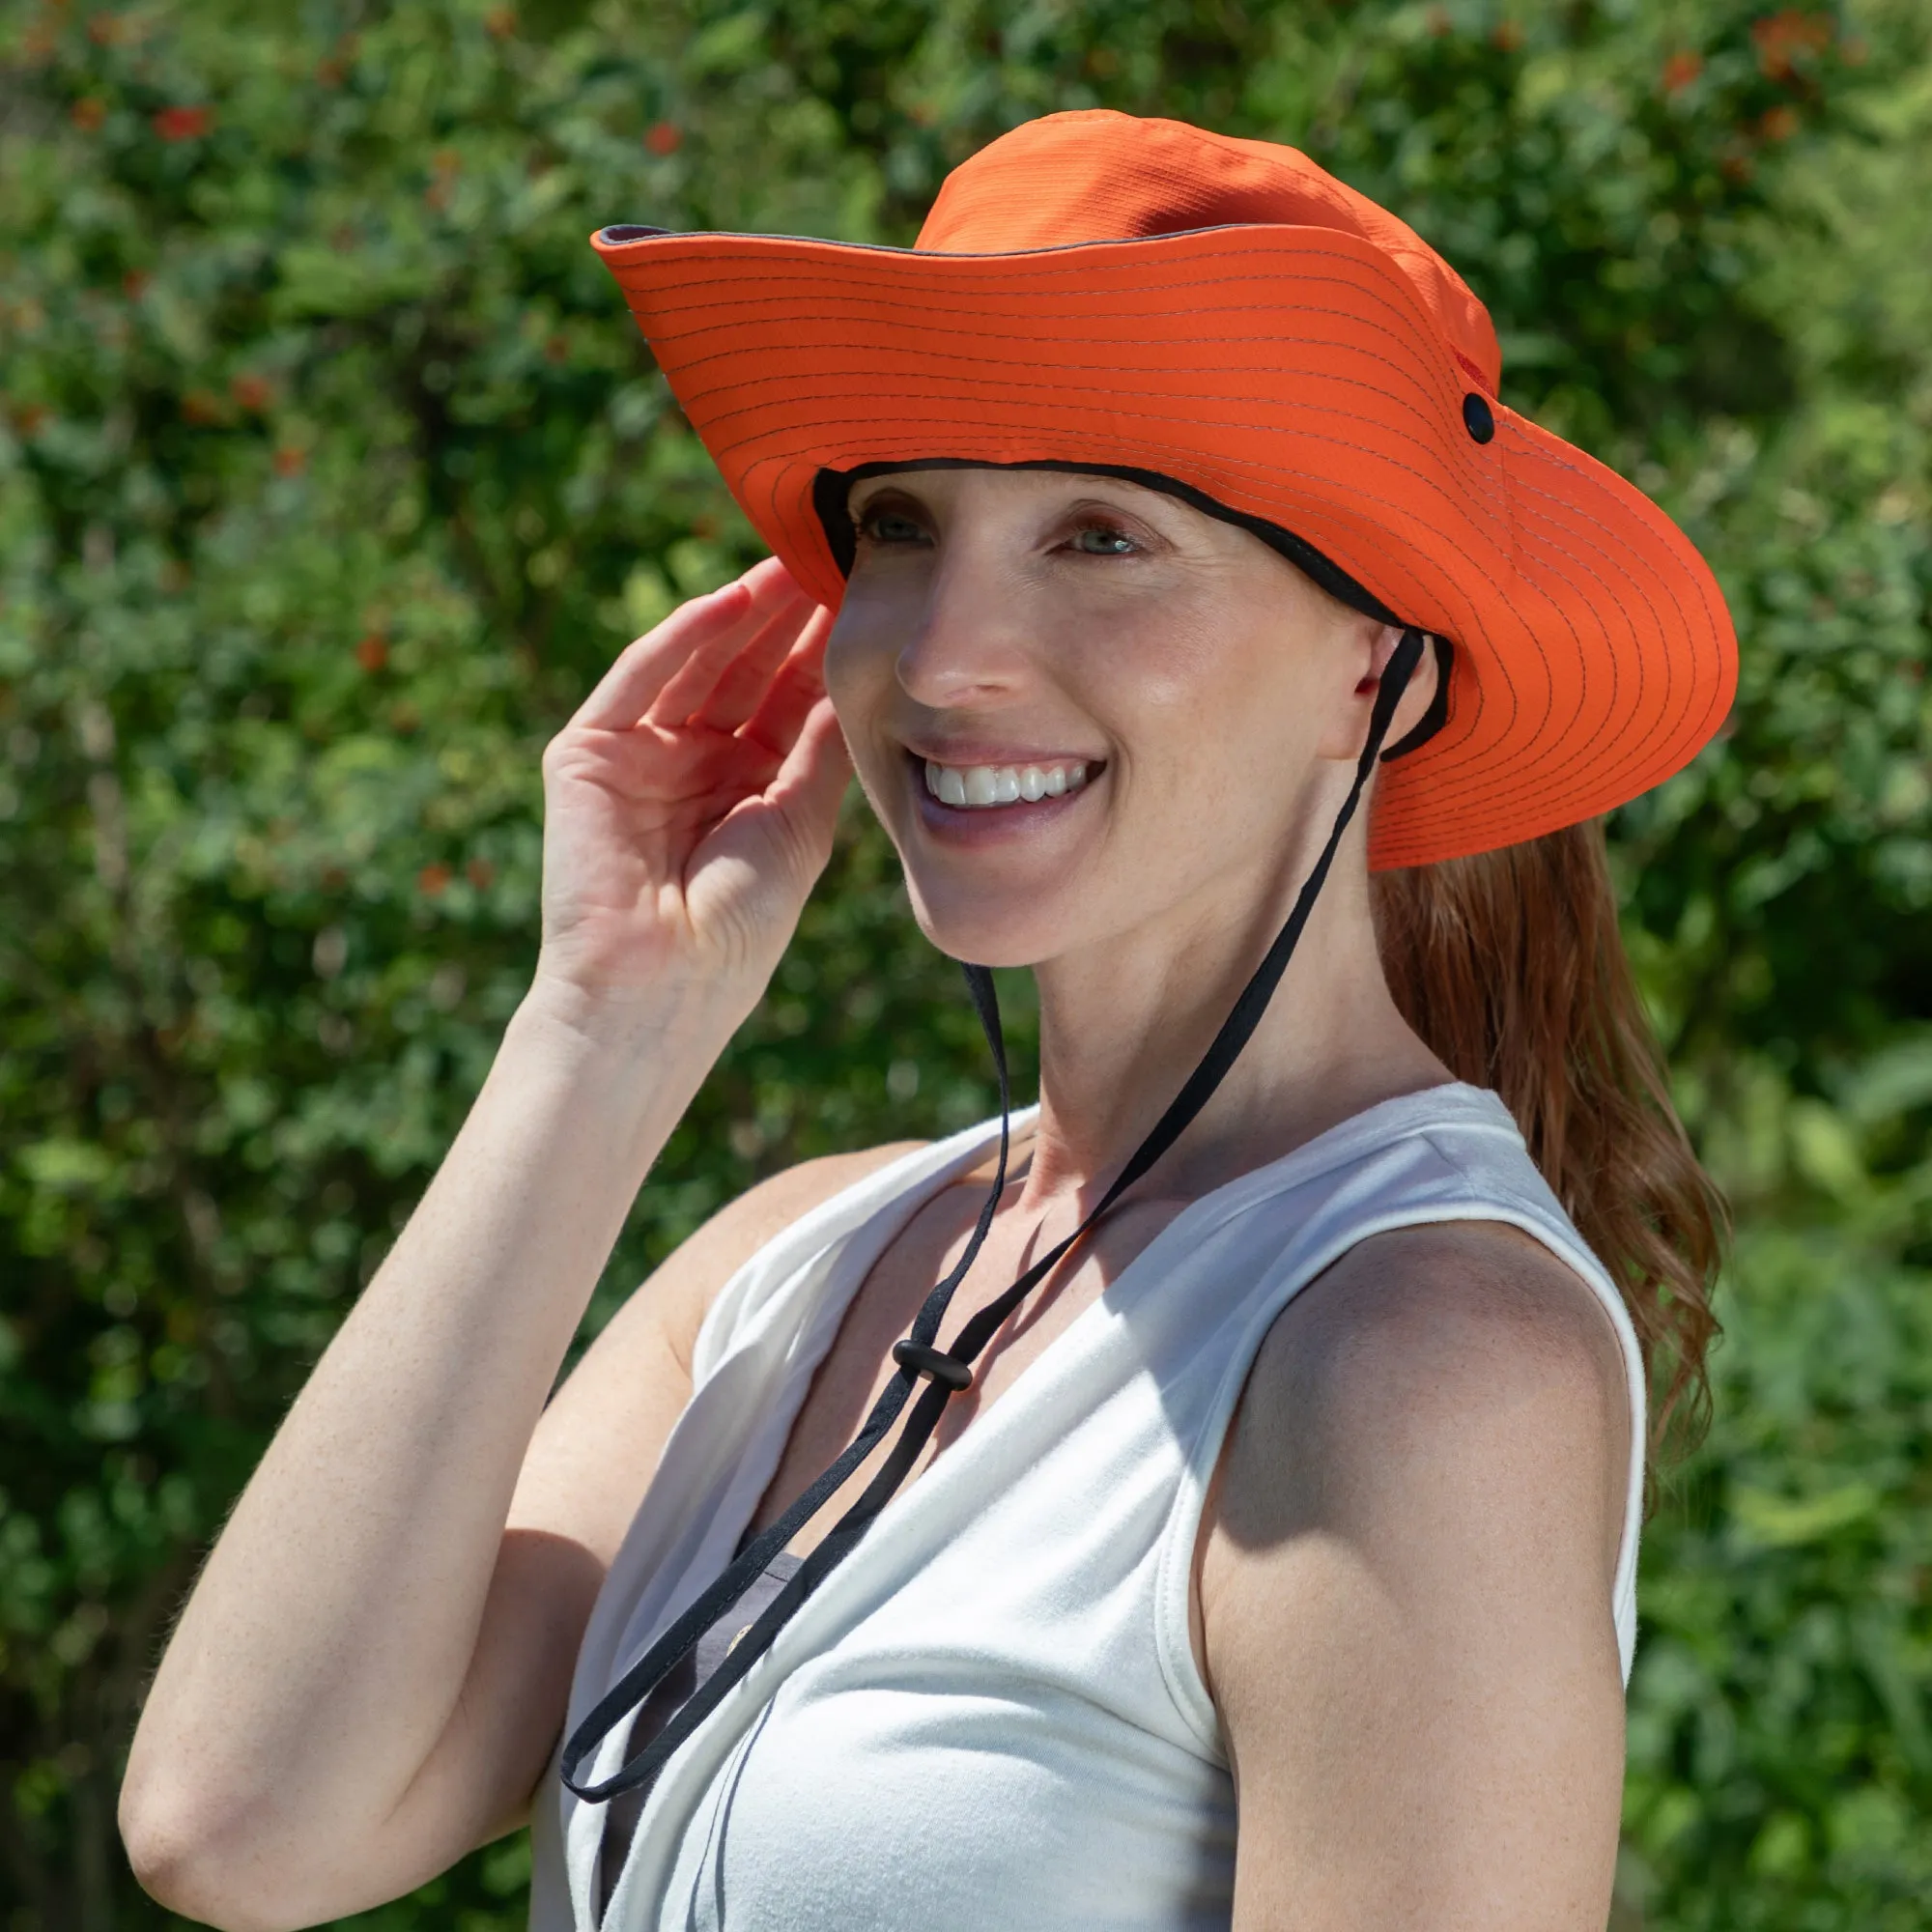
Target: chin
x=1019, y=926
x=1000, y=885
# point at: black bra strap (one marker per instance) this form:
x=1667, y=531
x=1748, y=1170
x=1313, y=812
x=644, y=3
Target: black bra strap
x=947, y=1372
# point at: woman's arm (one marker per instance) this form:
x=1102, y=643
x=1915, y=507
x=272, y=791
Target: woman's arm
x=370, y=1671
x=1406, y=1596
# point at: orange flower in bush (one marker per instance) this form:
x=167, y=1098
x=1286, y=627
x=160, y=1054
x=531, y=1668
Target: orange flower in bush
x=446, y=165
x=664, y=138
x=134, y=284
x=290, y=461
x=433, y=881
x=373, y=652
x=88, y=115
x=201, y=407
x=252, y=392
x=1781, y=39
x=1681, y=69
x=1779, y=122
x=183, y=123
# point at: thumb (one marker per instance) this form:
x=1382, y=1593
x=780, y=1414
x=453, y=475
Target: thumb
x=805, y=795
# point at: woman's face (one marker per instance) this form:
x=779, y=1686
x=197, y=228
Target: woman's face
x=1081, y=706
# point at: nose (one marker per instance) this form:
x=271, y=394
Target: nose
x=969, y=646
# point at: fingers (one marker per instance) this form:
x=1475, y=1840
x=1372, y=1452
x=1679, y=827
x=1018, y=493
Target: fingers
x=791, y=693
x=810, y=783
x=720, y=688
x=627, y=690
x=715, y=626
x=776, y=602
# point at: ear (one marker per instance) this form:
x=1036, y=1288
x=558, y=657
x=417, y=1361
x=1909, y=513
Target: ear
x=1370, y=649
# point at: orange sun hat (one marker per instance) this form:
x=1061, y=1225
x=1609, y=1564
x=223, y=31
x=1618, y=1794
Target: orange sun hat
x=1223, y=319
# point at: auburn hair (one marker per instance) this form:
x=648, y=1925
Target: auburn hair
x=1510, y=966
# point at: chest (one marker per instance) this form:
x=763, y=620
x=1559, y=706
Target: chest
x=858, y=1364
x=990, y=1714
x=993, y=1702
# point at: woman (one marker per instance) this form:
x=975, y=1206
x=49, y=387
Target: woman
x=1244, y=1530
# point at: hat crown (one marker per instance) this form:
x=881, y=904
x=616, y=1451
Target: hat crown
x=1100, y=176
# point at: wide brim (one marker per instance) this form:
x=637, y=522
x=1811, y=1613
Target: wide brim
x=1292, y=374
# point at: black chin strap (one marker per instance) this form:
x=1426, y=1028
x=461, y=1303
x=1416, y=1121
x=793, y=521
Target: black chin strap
x=945, y=1372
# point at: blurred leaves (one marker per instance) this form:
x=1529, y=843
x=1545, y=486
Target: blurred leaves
x=1781, y=1762
x=331, y=472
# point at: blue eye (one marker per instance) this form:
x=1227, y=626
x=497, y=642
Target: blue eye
x=1099, y=540
x=889, y=526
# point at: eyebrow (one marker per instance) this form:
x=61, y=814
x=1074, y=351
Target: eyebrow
x=907, y=479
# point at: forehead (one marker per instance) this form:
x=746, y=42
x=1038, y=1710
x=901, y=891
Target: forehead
x=1022, y=487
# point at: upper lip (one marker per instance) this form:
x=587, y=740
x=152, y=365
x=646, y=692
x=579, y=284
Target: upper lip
x=963, y=757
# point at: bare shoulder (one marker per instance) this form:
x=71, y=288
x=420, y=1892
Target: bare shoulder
x=604, y=1429
x=684, y=1288
x=670, y=1308
x=1403, y=1591
x=1438, y=1325
x=1444, y=1399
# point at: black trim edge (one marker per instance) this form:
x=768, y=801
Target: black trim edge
x=1437, y=715
x=831, y=488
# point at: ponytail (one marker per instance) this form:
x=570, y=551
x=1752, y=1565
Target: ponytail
x=1512, y=969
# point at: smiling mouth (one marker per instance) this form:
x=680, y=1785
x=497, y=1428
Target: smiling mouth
x=980, y=787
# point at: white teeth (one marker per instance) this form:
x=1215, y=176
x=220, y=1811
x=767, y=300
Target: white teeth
x=983, y=785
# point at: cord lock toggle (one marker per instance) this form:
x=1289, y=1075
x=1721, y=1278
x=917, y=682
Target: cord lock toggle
x=947, y=1370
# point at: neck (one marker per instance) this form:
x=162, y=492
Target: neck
x=1125, y=1022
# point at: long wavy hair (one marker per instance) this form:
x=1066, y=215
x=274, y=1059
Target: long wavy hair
x=1512, y=968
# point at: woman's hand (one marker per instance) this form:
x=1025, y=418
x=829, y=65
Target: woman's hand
x=369, y=1674
x=377, y=1656
x=690, y=803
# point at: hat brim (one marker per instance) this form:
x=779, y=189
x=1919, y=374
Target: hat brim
x=1292, y=374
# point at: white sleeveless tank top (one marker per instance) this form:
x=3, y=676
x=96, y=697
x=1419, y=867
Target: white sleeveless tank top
x=989, y=1714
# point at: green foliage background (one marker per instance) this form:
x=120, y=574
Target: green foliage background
x=331, y=470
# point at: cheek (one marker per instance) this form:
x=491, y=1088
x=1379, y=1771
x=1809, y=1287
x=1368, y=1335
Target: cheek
x=858, y=671
x=1205, y=701
x=862, y=681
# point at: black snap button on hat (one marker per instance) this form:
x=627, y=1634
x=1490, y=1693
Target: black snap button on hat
x=1477, y=417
